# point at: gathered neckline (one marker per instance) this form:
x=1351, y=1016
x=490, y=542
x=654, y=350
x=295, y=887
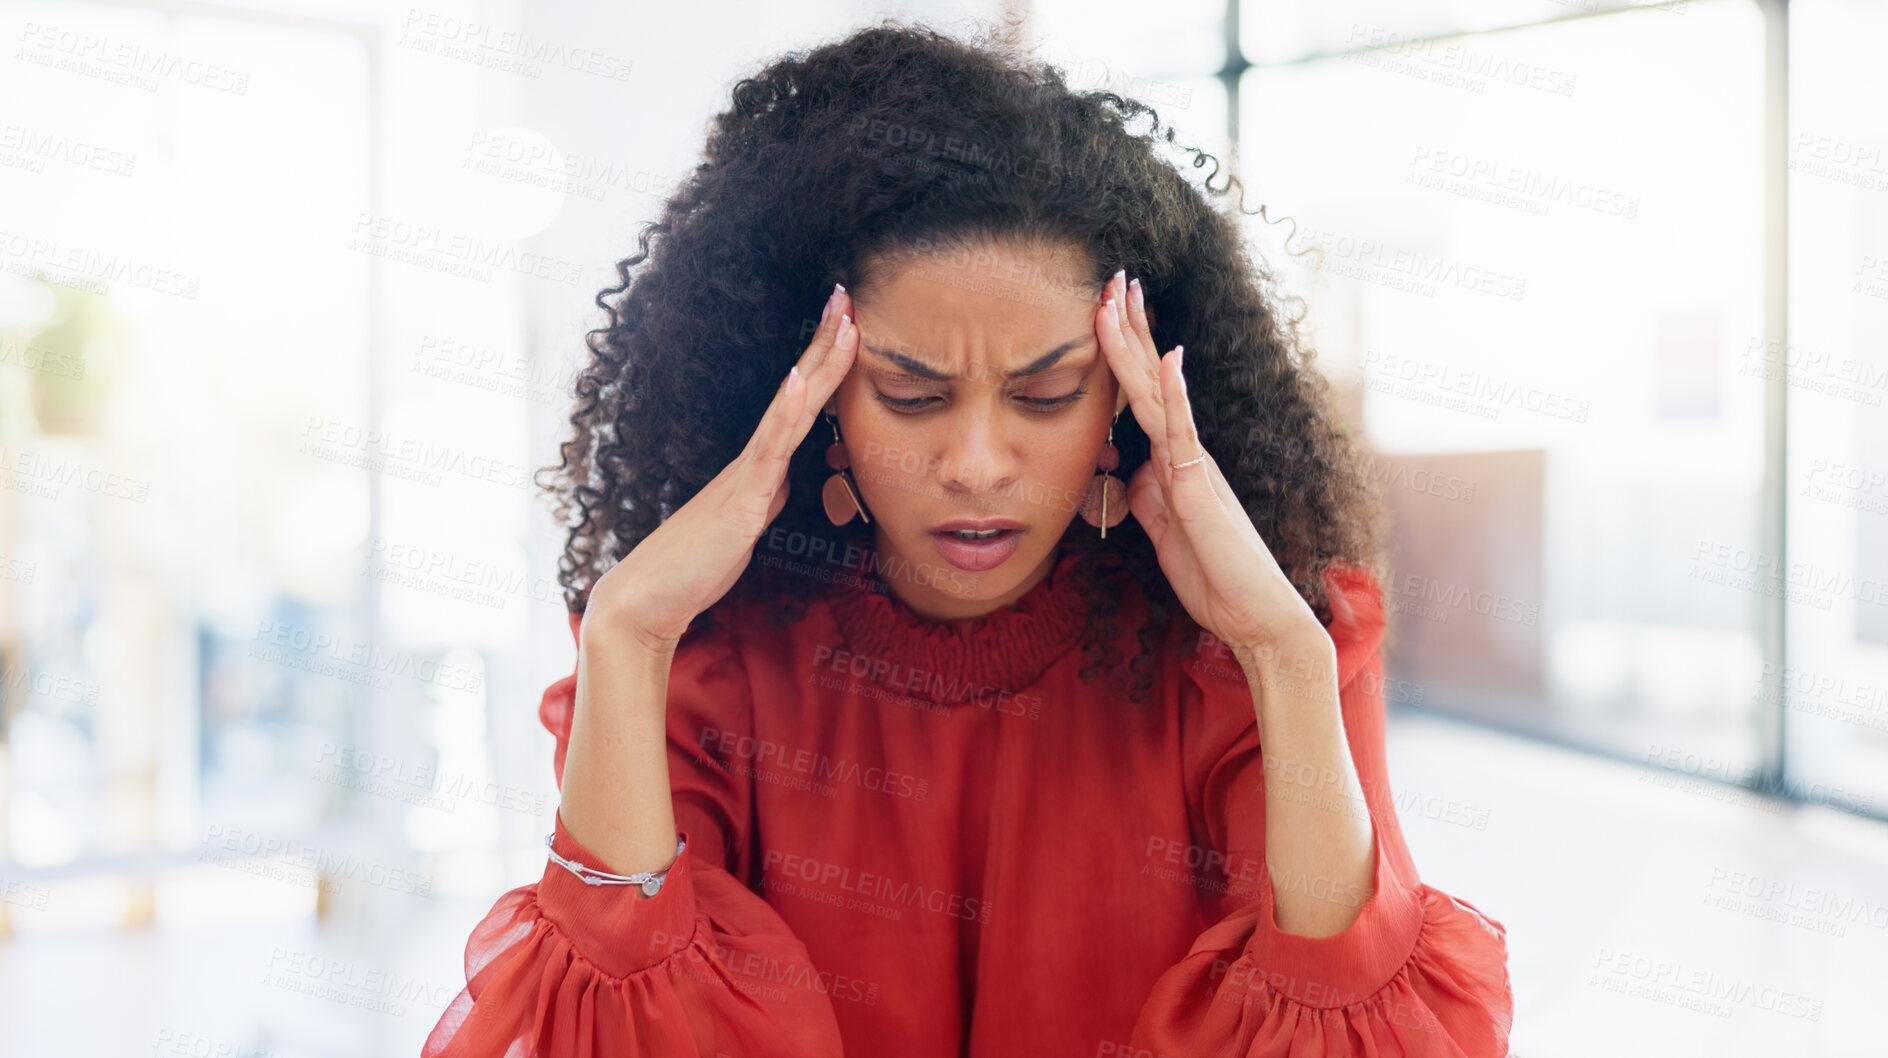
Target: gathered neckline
x=959, y=661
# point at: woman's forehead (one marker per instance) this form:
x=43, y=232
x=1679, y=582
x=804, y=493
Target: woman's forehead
x=1000, y=312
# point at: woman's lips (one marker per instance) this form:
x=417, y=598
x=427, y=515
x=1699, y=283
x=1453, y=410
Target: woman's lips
x=977, y=555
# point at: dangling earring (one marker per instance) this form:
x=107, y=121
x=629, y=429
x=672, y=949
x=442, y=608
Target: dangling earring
x=841, y=501
x=1106, y=502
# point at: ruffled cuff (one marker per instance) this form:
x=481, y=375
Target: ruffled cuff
x=561, y=969
x=615, y=926
x=1418, y=973
x=1333, y=971
x=1450, y=998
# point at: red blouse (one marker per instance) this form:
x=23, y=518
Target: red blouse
x=906, y=842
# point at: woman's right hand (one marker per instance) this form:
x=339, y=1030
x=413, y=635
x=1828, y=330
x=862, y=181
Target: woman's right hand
x=691, y=560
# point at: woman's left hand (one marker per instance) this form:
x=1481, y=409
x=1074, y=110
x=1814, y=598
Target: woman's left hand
x=1222, y=571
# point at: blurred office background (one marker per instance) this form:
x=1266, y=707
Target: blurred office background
x=291, y=295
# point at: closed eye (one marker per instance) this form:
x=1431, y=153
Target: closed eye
x=913, y=405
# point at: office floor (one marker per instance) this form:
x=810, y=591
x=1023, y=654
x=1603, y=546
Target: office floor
x=1644, y=917
x=1652, y=914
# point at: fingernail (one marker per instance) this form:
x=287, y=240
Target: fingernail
x=1115, y=311
x=793, y=373
x=831, y=300
x=1121, y=274
x=845, y=324
x=1140, y=299
x=1180, y=361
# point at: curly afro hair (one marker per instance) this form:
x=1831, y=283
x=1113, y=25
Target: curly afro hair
x=896, y=138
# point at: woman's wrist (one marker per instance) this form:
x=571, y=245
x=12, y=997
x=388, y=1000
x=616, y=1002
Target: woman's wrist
x=1297, y=672
x=611, y=622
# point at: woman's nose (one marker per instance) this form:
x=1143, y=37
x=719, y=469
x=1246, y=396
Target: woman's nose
x=977, y=455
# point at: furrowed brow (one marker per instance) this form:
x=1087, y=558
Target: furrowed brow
x=1034, y=367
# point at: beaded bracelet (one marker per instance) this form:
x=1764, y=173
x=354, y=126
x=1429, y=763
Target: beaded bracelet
x=650, y=882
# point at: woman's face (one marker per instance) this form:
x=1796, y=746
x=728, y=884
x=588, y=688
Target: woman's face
x=980, y=395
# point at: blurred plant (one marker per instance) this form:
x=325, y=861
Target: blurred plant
x=62, y=340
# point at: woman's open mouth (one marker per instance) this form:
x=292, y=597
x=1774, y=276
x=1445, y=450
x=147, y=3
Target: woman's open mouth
x=977, y=546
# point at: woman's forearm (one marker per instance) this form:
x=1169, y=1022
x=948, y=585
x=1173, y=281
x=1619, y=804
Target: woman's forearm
x=1319, y=845
x=616, y=799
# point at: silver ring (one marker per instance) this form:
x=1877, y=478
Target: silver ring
x=1188, y=463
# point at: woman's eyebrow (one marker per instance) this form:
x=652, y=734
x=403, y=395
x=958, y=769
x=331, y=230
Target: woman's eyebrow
x=1034, y=367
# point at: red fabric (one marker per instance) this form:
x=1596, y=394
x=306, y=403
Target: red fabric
x=903, y=841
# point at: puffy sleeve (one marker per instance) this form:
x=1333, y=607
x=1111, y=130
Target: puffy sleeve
x=1418, y=973
x=562, y=969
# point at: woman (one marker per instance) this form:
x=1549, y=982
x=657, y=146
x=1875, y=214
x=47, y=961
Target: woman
x=835, y=778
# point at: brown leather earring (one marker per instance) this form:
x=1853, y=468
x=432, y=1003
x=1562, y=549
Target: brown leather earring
x=1106, y=502
x=841, y=500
